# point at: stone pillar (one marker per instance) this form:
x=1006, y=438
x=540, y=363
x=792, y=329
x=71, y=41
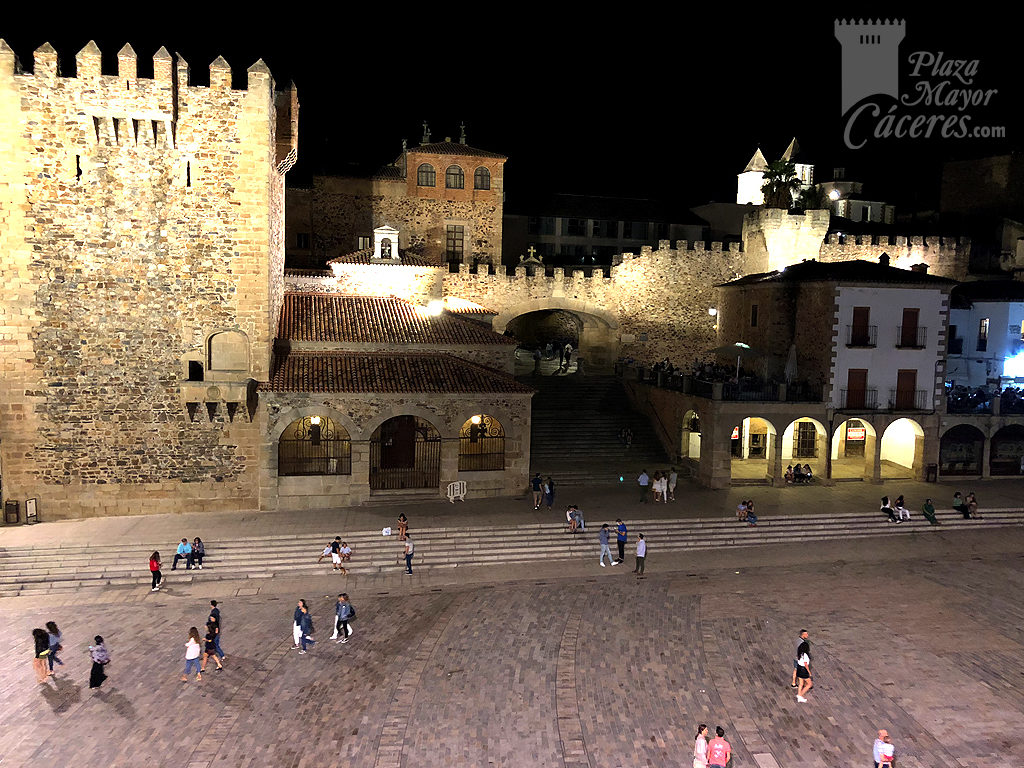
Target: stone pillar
x=873, y=459
x=986, y=454
x=919, y=460
x=774, y=453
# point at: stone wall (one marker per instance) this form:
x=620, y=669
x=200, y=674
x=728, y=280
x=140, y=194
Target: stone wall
x=945, y=256
x=140, y=217
x=361, y=414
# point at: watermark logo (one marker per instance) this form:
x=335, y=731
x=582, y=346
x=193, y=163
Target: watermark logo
x=943, y=99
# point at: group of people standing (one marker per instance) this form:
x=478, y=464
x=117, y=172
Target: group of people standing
x=663, y=484
x=715, y=753
x=621, y=536
x=543, y=491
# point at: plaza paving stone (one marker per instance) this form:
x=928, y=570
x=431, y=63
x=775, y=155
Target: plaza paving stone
x=552, y=665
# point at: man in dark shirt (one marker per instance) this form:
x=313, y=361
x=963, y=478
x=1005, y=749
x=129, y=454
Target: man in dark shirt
x=803, y=668
x=800, y=647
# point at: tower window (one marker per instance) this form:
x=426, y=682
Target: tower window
x=454, y=178
x=455, y=238
x=426, y=176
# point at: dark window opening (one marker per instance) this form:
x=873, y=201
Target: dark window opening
x=195, y=370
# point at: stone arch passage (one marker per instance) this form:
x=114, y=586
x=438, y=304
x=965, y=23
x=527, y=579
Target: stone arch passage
x=853, y=450
x=805, y=440
x=690, y=442
x=405, y=452
x=597, y=334
x=752, y=450
x=903, y=450
x=961, y=450
x=1007, y=450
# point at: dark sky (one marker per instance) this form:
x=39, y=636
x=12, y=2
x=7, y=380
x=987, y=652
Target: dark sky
x=667, y=106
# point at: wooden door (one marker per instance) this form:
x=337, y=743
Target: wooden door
x=860, y=335
x=908, y=331
x=856, y=387
x=906, y=388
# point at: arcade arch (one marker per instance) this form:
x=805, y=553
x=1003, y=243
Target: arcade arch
x=902, y=451
x=1007, y=450
x=596, y=330
x=690, y=443
x=405, y=452
x=853, y=450
x=961, y=450
x=752, y=449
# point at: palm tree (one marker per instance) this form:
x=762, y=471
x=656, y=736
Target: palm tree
x=780, y=182
x=813, y=198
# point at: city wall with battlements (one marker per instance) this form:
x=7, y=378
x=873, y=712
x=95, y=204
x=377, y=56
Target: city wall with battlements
x=141, y=254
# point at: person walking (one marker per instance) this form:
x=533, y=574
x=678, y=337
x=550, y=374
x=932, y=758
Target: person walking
x=198, y=552
x=641, y=555
x=549, y=492
x=154, y=569
x=876, y=749
x=602, y=536
x=403, y=526
x=700, y=747
x=210, y=647
x=802, y=644
x=343, y=611
x=620, y=538
x=887, y=753
x=184, y=552
x=803, y=670
x=100, y=658
x=215, y=617
x=928, y=510
x=306, y=625
x=297, y=624
x=537, y=484
x=673, y=479
x=42, y=650
x=644, y=481
x=719, y=750
x=192, y=651
x=409, y=549
x=55, y=640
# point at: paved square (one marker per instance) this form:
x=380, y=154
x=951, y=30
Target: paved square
x=589, y=670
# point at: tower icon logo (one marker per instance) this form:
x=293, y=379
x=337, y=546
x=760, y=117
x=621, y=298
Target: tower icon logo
x=870, y=59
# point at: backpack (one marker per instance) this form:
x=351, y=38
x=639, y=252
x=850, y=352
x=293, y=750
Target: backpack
x=100, y=655
x=351, y=612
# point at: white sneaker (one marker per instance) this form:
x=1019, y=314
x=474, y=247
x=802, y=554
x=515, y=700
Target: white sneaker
x=343, y=640
x=334, y=636
x=615, y=562
x=603, y=565
x=801, y=699
x=200, y=567
x=155, y=589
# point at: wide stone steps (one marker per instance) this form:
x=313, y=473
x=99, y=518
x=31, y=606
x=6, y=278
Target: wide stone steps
x=35, y=570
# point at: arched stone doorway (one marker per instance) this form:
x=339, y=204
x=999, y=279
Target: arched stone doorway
x=596, y=330
x=752, y=451
x=405, y=452
x=1007, y=450
x=961, y=450
x=853, y=450
x=805, y=440
x=689, y=447
x=902, y=451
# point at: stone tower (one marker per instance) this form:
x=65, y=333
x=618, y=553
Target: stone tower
x=141, y=254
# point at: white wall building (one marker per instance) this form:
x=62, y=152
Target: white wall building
x=986, y=334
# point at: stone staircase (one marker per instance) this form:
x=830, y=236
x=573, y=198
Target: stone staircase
x=575, y=434
x=51, y=570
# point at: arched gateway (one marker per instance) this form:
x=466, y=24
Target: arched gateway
x=598, y=332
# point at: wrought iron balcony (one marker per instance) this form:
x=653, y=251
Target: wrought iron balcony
x=911, y=336
x=909, y=400
x=859, y=399
x=861, y=335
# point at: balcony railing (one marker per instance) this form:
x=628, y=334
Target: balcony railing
x=759, y=392
x=861, y=335
x=969, y=403
x=859, y=399
x=911, y=336
x=909, y=400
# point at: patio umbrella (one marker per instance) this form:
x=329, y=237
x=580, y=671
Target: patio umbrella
x=741, y=350
x=790, y=372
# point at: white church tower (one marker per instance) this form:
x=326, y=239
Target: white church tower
x=748, y=183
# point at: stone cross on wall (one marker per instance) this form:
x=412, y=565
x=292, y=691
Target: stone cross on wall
x=532, y=251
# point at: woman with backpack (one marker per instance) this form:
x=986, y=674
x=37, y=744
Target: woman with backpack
x=42, y=641
x=100, y=659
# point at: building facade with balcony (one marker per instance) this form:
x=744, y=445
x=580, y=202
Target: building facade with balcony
x=841, y=369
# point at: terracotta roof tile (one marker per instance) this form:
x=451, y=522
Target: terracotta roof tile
x=386, y=372
x=341, y=319
x=466, y=307
x=454, y=148
x=365, y=256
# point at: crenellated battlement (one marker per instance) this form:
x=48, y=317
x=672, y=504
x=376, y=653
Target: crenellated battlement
x=900, y=241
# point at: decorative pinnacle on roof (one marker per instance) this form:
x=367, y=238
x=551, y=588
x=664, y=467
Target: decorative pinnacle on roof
x=462, y=133
x=792, y=151
x=426, y=134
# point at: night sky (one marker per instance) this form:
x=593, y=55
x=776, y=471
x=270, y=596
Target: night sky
x=661, y=106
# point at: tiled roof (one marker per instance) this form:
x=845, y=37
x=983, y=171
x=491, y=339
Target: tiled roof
x=389, y=172
x=340, y=319
x=856, y=271
x=296, y=272
x=454, y=148
x=965, y=294
x=467, y=307
x=365, y=256
x=386, y=372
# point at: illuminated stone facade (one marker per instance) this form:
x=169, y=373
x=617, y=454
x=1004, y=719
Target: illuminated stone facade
x=142, y=256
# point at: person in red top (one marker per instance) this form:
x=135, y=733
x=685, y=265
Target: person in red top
x=154, y=568
x=719, y=750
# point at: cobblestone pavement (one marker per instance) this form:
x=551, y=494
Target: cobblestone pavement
x=587, y=667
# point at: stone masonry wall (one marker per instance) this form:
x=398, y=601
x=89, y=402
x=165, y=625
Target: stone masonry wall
x=140, y=217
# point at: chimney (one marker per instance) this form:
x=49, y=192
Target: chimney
x=919, y=268
x=884, y=259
